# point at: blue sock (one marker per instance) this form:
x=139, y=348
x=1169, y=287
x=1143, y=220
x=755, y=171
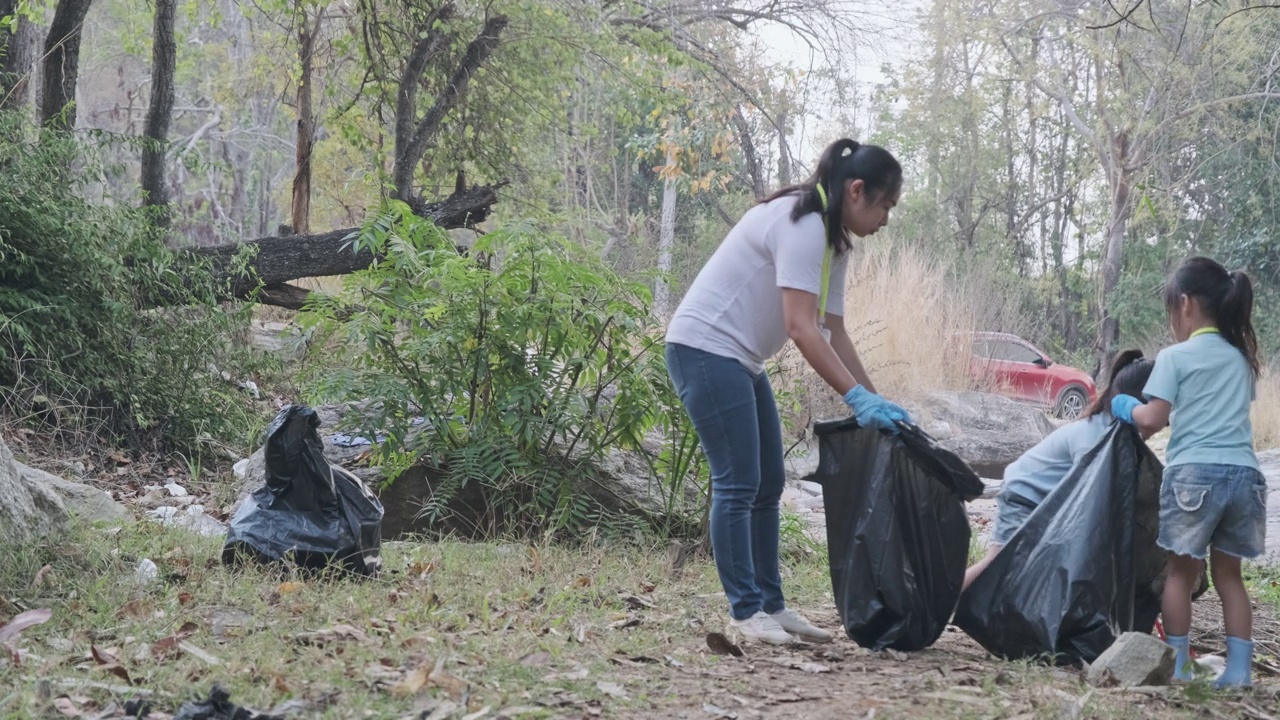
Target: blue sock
x=1239, y=672
x=1182, y=659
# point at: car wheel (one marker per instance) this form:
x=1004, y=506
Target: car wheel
x=1071, y=404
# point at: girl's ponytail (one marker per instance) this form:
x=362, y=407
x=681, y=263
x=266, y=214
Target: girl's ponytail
x=1235, y=319
x=842, y=161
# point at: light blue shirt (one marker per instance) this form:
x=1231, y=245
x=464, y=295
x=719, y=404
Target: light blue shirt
x=1210, y=386
x=1040, y=469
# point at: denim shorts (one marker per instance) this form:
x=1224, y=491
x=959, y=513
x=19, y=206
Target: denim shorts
x=1218, y=506
x=1012, y=511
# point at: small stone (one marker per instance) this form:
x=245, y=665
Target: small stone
x=1134, y=660
x=146, y=572
x=176, y=490
x=811, y=487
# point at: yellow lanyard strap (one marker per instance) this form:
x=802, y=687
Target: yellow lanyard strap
x=825, y=285
x=1204, y=331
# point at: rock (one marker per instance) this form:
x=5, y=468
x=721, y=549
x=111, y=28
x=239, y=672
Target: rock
x=802, y=462
x=986, y=431
x=28, y=511
x=1134, y=660
x=84, y=502
x=146, y=572
x=811, y=487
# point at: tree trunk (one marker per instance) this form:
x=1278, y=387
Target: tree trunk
x=17, y=58
x=301, y=211
x=750, y=158
x=411, y=139
x=62, y=64
x=666, y=240
x=281, y=259
x=164, y=59
x=1113, y=263
x=784, y=151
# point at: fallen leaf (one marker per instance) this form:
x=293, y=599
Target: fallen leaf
x=721, y=645
x=28, y=619
x=280, y=685
x=412, y=683
x=185, y=598
x=107, y=662
x=534, y=659
x=43, y=577
x=636, y=601
x=582, y=581
x=133, y=609
x=337, y=632
x=287, y=588
x=611, y=689
x=647, y=587
x=67, y=707
x=626, y=623
x=795, y=664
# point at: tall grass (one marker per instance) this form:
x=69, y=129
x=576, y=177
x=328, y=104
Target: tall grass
x=1266, y=412
x=908, y=318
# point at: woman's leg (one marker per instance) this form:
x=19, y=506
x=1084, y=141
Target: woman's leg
x=764, y=512
x=719, y=395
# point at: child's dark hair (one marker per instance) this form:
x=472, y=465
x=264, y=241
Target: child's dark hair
x=1129, y=373
x=1227, y=297
x=842, y=161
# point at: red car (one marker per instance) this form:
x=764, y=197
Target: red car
x=1022, y=372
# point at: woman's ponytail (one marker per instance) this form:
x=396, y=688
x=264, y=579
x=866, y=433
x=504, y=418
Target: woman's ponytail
x=1129, y=373
x=842, y=161
x=1235, y=319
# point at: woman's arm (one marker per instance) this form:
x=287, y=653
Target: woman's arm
x=848, y=354
x=1152, y=417
x=800, y=311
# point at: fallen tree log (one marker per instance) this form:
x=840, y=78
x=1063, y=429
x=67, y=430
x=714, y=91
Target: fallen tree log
x=290, y=257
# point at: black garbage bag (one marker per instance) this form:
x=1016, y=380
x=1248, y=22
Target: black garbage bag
x=315, y=513
x=1084, y=568
x=897, y=532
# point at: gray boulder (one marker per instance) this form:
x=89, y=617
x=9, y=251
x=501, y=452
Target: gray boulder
x=987, y=431
x=84, y=502
x=1134, y=660
x=28, y=511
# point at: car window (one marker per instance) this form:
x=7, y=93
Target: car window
x=1015, y=352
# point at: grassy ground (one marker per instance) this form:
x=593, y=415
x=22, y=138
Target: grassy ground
x=489, y=630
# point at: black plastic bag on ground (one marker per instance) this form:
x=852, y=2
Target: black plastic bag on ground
x=315, y=513
x=897, y=532
x=1084, y=568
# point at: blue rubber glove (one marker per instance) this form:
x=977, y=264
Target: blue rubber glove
x=1122, y=407
x=898, y=414
x=871, y=410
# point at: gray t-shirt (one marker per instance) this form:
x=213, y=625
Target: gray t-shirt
x=734, y=307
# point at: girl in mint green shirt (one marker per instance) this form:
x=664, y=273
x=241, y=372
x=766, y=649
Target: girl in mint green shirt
x=1213, y=499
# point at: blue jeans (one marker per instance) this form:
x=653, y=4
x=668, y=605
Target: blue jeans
x=736, y=419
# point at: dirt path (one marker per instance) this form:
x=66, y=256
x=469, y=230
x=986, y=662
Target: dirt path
x=954, y=679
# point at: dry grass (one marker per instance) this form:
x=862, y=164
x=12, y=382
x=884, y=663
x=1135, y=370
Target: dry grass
x=907, y=317
x=1266, y=412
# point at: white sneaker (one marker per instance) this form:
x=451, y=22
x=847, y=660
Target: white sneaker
x=796, y=624
x=764, y=628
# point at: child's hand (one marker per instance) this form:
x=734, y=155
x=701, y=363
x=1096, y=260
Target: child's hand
x=1122, y=407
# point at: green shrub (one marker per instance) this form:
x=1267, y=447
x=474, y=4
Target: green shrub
x=82, y=341
x=528, y=359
